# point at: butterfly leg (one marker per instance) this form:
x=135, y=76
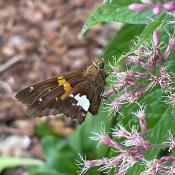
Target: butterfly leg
x=105, y=98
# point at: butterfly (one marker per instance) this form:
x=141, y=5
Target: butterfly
x=72, y=94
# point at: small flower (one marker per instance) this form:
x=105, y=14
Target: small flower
x=113, y=108
x=122, y=78
x=127, y=79
x=105, y=139
x=135, y=74
x=152, y=167
x=128, y=159
x=80, y=164
x=137, y=59
x=171, y=169
x=140, y=114
x=98, y=136
x=133, y=96
x=170, y=46
x=165, y=79
x=164, y=165
x=156, y=37
x=111, y=92
x=85, y=165
x=133, y=138
x=120, y=131
x=129, y=97
x=171, y=141
x=170, y=99
x=108, y=164
x=154, y=81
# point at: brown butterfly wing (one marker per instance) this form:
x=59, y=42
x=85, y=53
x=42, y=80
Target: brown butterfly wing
x=97, y=90
x=50, y=98
x=36, y=91
x=44, y=94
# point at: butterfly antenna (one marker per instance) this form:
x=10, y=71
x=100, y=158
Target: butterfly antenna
x=122, y=52
x=106, y=48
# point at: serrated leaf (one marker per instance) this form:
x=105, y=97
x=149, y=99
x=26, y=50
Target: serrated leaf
x=145, y=35
x=111, y=12
x=121, y=41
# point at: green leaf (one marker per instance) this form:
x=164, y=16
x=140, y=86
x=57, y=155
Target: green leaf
x=160, y=133
x=52, y=144
x=112, y=12
x=80, y=141
x=43, y=130
x=121, y=42
x=9, y=162
x=145, y=35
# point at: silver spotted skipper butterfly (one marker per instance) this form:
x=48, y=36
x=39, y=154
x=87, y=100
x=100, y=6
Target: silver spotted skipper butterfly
x=72, y=94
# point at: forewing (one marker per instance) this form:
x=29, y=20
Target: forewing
x=43, y=95
x=36, y=91
x=71, y=95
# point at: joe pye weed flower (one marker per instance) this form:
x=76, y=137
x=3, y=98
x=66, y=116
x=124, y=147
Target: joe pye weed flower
x=132, y=84
x=145, y=69
x=130, y=150
x=129, y=86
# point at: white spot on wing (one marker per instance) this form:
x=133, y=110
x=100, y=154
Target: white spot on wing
x=82, y=101
x=31, y=88
x=71, y=95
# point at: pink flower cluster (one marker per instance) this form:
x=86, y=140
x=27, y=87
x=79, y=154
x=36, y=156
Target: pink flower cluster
x=131, y=150
x=150, y=4
x=133, y=83
x=164, y=165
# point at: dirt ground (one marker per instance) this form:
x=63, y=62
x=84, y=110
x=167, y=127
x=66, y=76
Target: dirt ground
x=38, y=40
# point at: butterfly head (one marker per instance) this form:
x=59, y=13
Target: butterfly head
x=99, y=63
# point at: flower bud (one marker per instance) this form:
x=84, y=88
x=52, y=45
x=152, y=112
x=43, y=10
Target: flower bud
x=169, y=6
x=137, y=7
x=170, y=46
x=156, y=10
x=156, y=37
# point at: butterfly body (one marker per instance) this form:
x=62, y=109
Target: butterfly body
x=71, y=94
